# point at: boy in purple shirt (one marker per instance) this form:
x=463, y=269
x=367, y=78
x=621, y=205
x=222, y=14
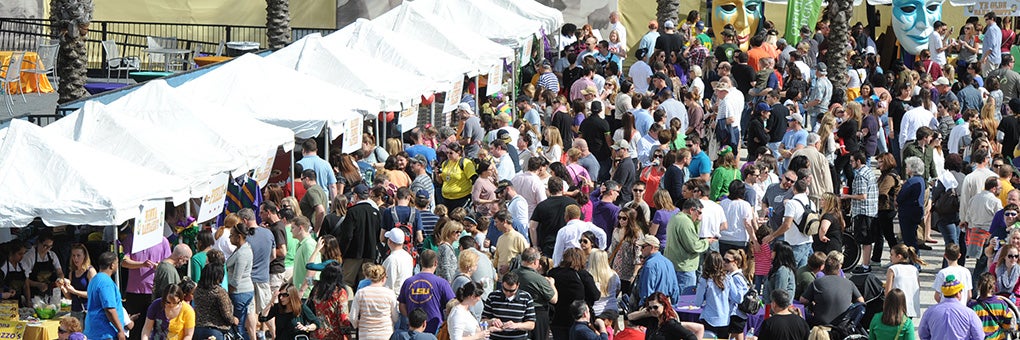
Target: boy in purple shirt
x=426, y=291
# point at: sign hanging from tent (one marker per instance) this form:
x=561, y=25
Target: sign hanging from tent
x=352, y=134
x=1002, y=8
x=265, y=169
x=453, y=96
x=495, y=84
x=408, y=118
x=148, y=230
x=212, y=201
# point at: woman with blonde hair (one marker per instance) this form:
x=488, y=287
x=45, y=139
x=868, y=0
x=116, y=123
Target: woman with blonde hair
x=660, y=220
x=554, y=144
x=374, y=155
x=607, y=280
x=374, y=309
x=830, y=233
x=827, y=132
x=223, y=233
x=80, y=272
x=989, y=124
x=447, y=266
x=726, y=171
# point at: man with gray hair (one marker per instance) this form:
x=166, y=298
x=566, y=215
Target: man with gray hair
x=588, y=161
x=819, y=166
x=911, y=199
x=982, y=207
x=166, y=271
x=541, y=288
x=819, y=96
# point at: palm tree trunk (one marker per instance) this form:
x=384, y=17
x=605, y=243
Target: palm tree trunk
x=667, y=10
x=278, y=23
x=840, y=12
x=70, y=20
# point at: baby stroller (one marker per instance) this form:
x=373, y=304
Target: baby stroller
x=871, y=288
x=848, y=325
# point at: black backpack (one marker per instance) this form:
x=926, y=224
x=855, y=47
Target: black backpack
x=751, y=303
x=948, y=203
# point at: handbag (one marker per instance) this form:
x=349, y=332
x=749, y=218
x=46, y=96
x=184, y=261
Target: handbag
x=232, y=334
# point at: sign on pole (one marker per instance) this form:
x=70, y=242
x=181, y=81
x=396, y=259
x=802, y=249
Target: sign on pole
x=265, y=169
x=212, y=201
x=352, y=134
x=408, y=118
x=148, y=230
x=453, y=96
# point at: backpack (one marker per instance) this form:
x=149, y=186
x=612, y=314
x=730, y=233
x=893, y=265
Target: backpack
x=407, y=228
x=948, y=203
x=751, y=303
x=811, y=220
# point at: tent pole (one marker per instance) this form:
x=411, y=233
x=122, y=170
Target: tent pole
x=328, y=142
x=478, y=91
x=382, y=131
x=292, y=173
x=433, y=119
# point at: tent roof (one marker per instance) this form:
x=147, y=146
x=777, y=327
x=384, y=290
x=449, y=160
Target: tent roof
x=45, y=175
x=485, y=18
x=551, y=18
x=445, y=36
x=163, y=139
x=405, y=53
x=279, y=96
x=356, y=71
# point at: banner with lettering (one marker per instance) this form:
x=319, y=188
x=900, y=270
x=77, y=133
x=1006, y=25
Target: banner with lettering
x=12, y=329
x=408, y=118
x=453, y=96
x=212, y=200
x=352, y=134
x=1002, y=8
x=265, y=169
x=800, y=13
x=148, y=225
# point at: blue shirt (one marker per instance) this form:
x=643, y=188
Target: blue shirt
x=950, y=319
x=910, y=200
x=643, y=121
x=992, y=44
x=323, y=171
x=793, y=138
x=700, y=165
x=534, y=119
x=262, y=244
x=429, y=153
x=657, y=275
x=715, y=301
x=103, y=294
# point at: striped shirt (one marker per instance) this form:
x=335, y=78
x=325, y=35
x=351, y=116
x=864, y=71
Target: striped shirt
x=374, y=312
x=426, y=222
x=997, y=310
x=763, y=260
x=549, y=82
x=518, y=309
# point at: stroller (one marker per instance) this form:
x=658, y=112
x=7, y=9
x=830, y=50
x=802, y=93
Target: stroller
x=853, y=323
x=871, y=288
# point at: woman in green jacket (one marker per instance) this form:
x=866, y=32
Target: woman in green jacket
x=892, y=322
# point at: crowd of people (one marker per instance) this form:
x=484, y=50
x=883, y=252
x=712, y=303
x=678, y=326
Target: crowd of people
x=596, y=202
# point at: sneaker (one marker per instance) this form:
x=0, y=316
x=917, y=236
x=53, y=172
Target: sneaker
x=924, y=247
x=862, y=270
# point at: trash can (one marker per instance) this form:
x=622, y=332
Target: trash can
x=237, y=48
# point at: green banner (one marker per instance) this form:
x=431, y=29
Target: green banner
x=800, y=13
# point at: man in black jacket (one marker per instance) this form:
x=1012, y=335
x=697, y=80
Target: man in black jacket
x=757, y=135
x=359, y=235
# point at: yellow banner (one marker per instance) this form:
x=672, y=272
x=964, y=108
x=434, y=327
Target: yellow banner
x=12, y=329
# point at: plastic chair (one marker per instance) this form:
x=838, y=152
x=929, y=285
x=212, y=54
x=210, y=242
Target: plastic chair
x=159, y=43
x=221, y=48
x=12, y=76
x=46, y=64
x=116, y=62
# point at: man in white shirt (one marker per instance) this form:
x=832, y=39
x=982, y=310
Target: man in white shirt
x=792, y=216
x=399, y=264
x=616, y=25
x=640, y=72
x=529, y=185
x=936, y=45
x=516, y=206
x=959, y=136
x=731, y=106
x=973, y=184
x=504, y=164
x=914, y=119
x=674, y=108
x=713, y=218
x=569, y=236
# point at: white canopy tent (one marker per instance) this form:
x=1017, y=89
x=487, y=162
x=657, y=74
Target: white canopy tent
x=357, y=72
x=236, y=128
x=415, y=24
x=162, y=139
x=405, y=53
x=551, y=18
x=485, y=18
x=280, y=96
x=45, y=175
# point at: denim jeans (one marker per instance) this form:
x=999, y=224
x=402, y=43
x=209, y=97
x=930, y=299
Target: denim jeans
x=207, y=332
x=686, y=279
x=241, y=302
x=951, y=234
x=801, y=253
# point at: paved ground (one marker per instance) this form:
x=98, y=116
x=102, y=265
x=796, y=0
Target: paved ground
x=36, y=104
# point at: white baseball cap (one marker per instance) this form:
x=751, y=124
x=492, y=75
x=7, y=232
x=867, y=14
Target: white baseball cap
x=395, y=235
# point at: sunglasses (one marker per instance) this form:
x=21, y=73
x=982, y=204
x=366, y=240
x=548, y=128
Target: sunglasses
x=284, y=294
x=624, y=218
x=639, y=190
x=787, y=179
x=1013, y=256
x=1009, y=214
x=584, y=241
x=727, y=260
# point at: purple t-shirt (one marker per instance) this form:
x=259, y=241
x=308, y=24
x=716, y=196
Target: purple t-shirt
x=156, y=313
x=604, y=215
x=140, y=280
x=662, y=219
x=428, y=292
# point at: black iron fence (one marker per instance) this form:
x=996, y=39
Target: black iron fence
x=25, y=35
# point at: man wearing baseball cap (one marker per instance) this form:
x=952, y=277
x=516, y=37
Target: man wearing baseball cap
x=648, y=40
x=943, y=86
x=399, y=264
x=657, y=273
x=422, y=180
x=626, y=171
x=794, y=139
x=359, y=235
x=669, y=41
x=757, y=136
x=819, y=96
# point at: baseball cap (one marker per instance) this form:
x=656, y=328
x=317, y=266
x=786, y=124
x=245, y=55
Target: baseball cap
x=361, y=189
x=804, y=29
x=621, y=144
x=422, y=194
x=395, y=235
x=502, y=185
x=669, y=24
x=465, y=107
x=648, y=239
x=941, y=81
x=660, y=75
x=420, y=159
x=763, y=107
x=700, y=25
x=795, y=116
x=503, y=135
x=822, y=68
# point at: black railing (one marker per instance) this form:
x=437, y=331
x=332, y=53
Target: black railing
x=24, y=35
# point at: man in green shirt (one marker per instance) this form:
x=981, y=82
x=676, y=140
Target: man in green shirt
x=541, y=288
x=313, y=205
x=806, y=274
x=683, y=247
x=303, y=255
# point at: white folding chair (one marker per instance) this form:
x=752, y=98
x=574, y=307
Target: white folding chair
x=46, y=64
x=116, y=62
x=160, y=43
x=221, y=48
x=12, y=76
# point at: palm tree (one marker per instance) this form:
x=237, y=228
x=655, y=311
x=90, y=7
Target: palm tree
x=839, y=13
x=667, y=10
x=278, y=23
x=70, y=24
